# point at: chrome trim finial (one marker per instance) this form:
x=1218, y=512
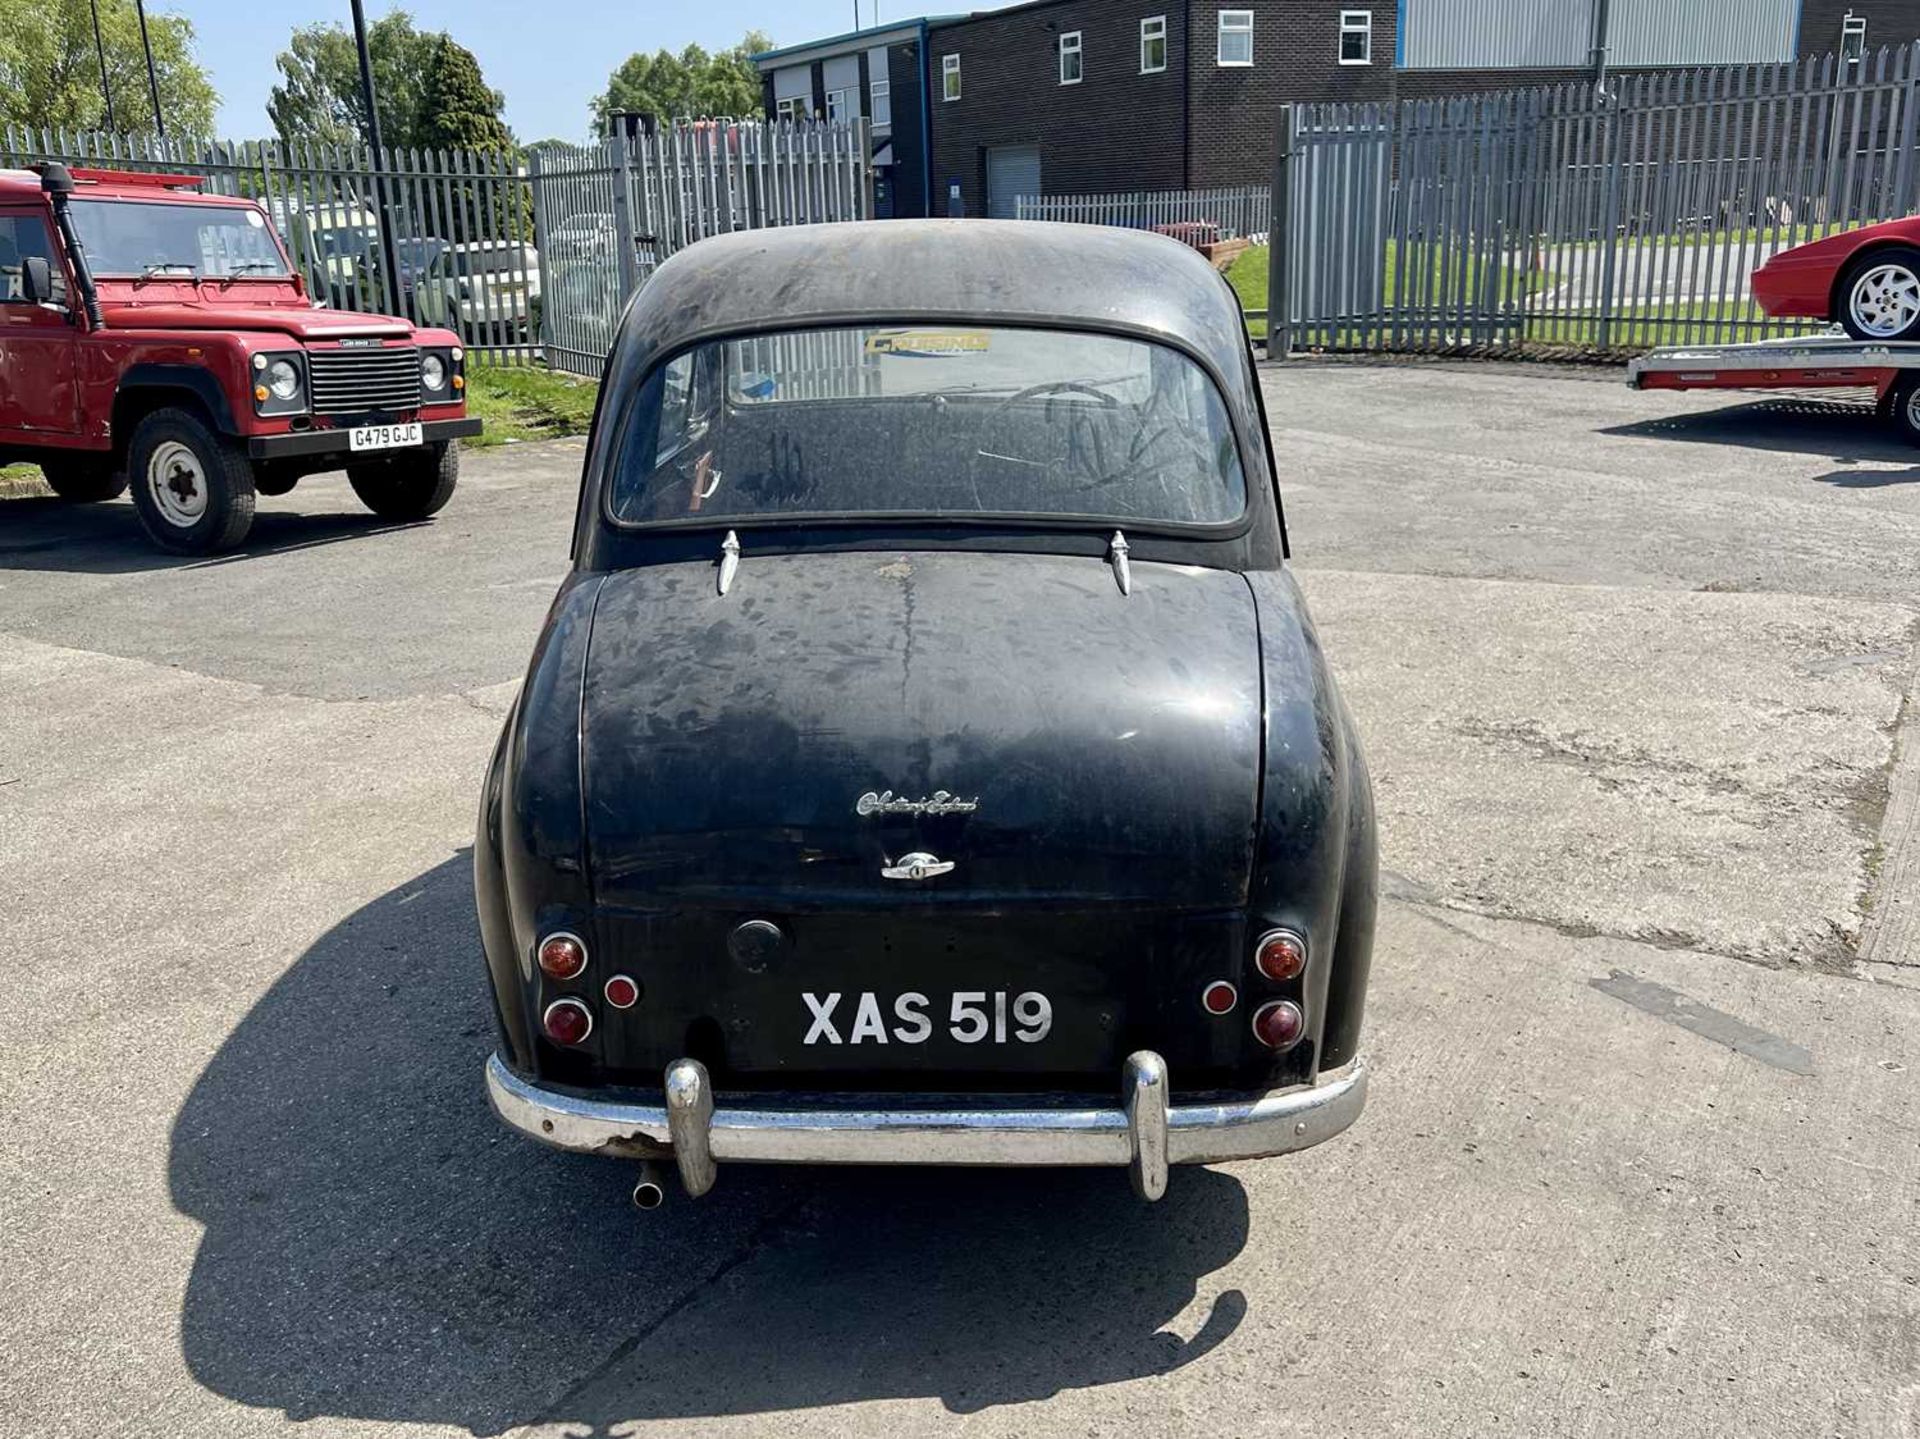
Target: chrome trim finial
x=729, y=559
x=1117, y=557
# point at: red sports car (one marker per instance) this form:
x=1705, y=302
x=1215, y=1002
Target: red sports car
x=1867, y=279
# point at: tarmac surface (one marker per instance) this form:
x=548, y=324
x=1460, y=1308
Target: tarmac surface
x=1634, y=672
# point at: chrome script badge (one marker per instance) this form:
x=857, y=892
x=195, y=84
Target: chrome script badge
x=939, y=802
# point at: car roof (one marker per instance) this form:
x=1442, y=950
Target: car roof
x=969, y=271
x=16, y=185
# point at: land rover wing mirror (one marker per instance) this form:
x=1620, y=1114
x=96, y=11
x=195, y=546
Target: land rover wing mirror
x=36, y=280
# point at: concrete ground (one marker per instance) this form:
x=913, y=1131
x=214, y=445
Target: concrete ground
x=1655, y=270
x=1641, y=1153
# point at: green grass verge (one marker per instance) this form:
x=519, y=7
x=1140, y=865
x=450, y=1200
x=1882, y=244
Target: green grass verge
x=527, y=402
x=1428, y=271
x=1248, y=276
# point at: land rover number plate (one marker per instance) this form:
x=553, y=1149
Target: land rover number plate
x=383, y=437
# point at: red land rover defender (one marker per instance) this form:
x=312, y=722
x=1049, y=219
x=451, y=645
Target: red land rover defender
x=153, y=334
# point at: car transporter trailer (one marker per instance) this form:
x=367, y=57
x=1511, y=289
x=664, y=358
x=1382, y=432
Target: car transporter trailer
x=1808, y=362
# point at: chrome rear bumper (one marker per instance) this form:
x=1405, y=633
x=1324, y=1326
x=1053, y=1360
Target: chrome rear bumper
x=1143, y=1134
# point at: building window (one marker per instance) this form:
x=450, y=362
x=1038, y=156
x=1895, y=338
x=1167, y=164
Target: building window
x=880, y=96
x=949, y=77
x=1356, y=37
x=1070, y=58
x=1853, y=38
x=1236, y=38
x=791, y=108
x=1153, y=45
x=842, y=105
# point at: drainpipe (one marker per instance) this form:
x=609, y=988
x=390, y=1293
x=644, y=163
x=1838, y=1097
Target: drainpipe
x=926, y=120
x=1599, y=52
x=1186, y=96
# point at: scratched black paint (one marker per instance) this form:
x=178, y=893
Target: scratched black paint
x=1161, y=776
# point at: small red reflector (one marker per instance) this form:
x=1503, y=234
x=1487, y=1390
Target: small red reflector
x=622, y=992
x=567, y=1021
x=1279, y=1025
x=1282, y=955
x=562, y=956
x=1219, y=997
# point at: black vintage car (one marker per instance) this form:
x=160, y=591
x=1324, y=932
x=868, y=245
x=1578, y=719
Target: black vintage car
x=929, y=758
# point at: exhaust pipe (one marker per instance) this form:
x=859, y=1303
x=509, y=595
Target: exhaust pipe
x=650, y=1190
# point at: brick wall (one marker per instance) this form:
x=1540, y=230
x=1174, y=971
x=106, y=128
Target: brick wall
x=1119, y=130
x=1889, y=22
x=909, y=153
x=1296, y=58
x=1116, y=130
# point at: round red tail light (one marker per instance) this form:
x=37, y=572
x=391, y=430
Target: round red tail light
x=1281, y=955
x=567, y=1021
x=562, y=956
x=622, y=991
x=1279, y=1025
x=1219, y=997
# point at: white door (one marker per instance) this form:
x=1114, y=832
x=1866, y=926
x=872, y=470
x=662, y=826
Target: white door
x=1011, y=170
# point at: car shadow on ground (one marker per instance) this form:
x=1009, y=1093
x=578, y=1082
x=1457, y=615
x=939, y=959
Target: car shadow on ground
x=377, y=1246
x=43, y=534
x=1847, y=432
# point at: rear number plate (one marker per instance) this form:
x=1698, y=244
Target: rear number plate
x=967, y=1016
x=383, y=437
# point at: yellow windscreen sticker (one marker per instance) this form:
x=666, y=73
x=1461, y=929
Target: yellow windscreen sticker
x=928, y=342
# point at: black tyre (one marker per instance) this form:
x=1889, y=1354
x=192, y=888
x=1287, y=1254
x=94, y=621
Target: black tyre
x=409, y=486
x=84, y=480
x=192, y=487
x=1901, y=408
x=1879, y=295
x=268, y=482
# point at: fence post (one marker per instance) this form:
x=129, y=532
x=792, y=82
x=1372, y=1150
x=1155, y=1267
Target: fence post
x=1609, y=221
x=536, y=202
x=1279, y=218
x=623, y=211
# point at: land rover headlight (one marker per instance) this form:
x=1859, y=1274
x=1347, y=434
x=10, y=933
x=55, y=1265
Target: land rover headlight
x=283, y=379
x=433, y=373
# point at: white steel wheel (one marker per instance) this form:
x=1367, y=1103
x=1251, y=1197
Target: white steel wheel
x=1884, y=301
x=1902, y=410
x=178, y=484
x=192, y=485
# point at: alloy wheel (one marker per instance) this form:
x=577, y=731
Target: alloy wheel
x=1885, y=300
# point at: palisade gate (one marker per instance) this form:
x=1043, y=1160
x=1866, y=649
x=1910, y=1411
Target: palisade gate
x=1581, y=218
x=526, y=257
x=607, y=214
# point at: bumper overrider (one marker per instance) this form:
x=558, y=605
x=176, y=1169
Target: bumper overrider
x=326, y=442
x=1143, y=1134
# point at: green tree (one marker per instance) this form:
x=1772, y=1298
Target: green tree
x=457, y=110
x=692, y=83
x=50, y=71
x=731, y=83
x=319, y=99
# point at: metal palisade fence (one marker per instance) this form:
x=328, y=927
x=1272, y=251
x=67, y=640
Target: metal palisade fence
x=1237, y=213
x=1575, y=219
x=526, y=258
x=606, y=215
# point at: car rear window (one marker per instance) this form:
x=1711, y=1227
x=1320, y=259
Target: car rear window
x=929, y=420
